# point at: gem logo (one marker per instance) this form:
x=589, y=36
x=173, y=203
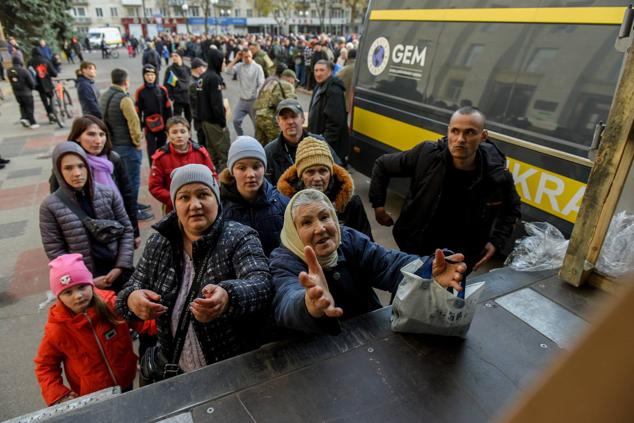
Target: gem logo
x=65, y=280
x=378, y=56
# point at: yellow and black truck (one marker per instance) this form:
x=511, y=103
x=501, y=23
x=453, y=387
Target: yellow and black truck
x=543, y=72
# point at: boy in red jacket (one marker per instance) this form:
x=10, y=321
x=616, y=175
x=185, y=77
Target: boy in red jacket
x=179, y=151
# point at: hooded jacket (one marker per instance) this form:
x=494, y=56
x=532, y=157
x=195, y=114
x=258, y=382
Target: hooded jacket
x=63, y=232
x=88, y=96
x=22, y=82
x=151, y=100
x=209, y=106
x=229, y=255
x=165, y=160
x=265, y=214
x=327, y=115
x=493, y=201
x=91, y=350
x=340, y=191
x=44, y=71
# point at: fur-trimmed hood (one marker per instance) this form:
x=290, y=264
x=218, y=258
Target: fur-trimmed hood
x=340, y=189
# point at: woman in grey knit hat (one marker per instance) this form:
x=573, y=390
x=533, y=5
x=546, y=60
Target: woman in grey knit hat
x=201, y=277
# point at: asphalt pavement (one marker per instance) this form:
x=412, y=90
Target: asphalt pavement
x=23, y=264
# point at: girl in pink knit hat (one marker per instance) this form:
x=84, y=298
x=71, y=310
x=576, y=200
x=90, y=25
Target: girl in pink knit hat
x=83, y=334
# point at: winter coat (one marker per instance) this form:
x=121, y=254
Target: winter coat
x=493, y=199
x=22, y=81
x=63, y=232
x=120, y=178
x=152, y=100
x=265, y=214
x=209, y=105
x=151, y=57
x=165, y=160
x=88, y=96
x=280, y=156
x=340, y=191
x=179, y=93
x=361, y=266
x=91, y=350
x=229, y=255
x=327, y=115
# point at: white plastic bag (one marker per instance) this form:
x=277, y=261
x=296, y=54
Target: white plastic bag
x=423, y=306
x=617, y=253
x=544, y=248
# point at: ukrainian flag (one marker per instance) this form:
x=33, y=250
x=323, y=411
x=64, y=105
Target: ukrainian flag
x=172, y=79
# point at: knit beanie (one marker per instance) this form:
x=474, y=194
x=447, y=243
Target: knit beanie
x=149, y=69
x=68, y=270
x=312, y=152
x=189, y=174
x=245, y=147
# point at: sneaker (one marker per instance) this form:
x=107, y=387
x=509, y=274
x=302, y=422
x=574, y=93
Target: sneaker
x=143, y=206
x=35, y=126
x=25, y=123
x=52, y=118
x=2, y=165
x=144, y=215
x=4, y=161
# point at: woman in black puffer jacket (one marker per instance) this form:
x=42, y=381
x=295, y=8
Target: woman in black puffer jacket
x=62, y=229
x=93, y=136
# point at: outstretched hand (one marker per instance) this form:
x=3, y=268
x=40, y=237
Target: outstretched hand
x=319, y=301
x=448, y=271
x=214, y=303
x=145, y=304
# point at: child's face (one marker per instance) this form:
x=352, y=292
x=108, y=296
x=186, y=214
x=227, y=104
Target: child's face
x=77, y=298
x=150, y=77
x=178, y=135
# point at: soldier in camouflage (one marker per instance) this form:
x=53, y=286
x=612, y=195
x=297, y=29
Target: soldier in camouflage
x=272, y=92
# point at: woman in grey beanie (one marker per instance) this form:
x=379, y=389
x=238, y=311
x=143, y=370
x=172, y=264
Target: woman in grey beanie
x=247, y=197
x=204, y=279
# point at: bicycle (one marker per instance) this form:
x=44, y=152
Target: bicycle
x=111, y=53
x=62, y=103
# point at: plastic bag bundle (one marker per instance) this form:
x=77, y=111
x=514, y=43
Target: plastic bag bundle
x=617, y=253
x=544, y=248
x=423, y=306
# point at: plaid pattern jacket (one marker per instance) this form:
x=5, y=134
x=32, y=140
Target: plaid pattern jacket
x=231, y=256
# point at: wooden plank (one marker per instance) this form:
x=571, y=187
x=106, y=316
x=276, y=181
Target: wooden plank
x=604, y=283
x=617, y=135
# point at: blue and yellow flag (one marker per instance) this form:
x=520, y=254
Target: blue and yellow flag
x=172, y=79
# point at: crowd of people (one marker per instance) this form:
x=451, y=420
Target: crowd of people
x=260, y=237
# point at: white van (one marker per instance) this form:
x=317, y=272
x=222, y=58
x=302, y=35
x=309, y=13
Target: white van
x=111, y=35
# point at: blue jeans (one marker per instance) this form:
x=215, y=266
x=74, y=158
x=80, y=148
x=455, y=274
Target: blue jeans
x=131, y=156
x=300, y=74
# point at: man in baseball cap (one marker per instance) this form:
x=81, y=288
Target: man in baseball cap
x=280, y=153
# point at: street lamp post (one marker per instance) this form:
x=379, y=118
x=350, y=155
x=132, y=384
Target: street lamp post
x=213, y=6
x=185, y=7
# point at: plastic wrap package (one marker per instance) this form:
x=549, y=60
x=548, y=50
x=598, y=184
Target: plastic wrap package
x=543, y=249
x=423, y=306
x=617, y=253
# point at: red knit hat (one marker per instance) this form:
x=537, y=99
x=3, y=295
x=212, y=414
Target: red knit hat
x=67, y=271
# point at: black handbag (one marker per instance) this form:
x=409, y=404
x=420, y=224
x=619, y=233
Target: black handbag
x=154, y=365
x=104, y=231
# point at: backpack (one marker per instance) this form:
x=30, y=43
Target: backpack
x=41, y=70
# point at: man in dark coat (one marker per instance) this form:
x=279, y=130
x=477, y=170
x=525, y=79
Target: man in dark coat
x=211, y=110
x=461, y=195
x=44, y=72
x=23, y=84
x=177, y=80
x=327, y=114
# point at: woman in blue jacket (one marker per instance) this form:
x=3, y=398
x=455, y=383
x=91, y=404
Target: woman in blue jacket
x=247, y=197
x=324, y=271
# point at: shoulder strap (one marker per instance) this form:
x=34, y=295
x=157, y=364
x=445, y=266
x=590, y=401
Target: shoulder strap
x=74, y=207
x=279, y=84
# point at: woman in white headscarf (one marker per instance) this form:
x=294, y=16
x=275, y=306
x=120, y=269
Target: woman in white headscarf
x=324, y=271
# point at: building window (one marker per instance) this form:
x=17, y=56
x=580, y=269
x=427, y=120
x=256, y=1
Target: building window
x=249, y=13
x=81, y=11
x=163, y=11
x=540, y=59
x=99, y=12
x=472, y=55
x=195, y=11
x=114, y=11
x=336, y=13
x=237, y=13
x=453, y=88
x=131, y=11
x=313, y=13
